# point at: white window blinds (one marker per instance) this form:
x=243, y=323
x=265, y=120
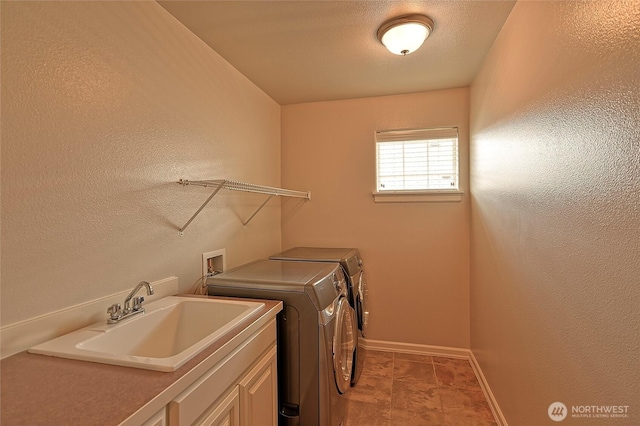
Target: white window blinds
x=417, y=160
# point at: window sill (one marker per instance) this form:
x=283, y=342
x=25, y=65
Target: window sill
x=418, y=197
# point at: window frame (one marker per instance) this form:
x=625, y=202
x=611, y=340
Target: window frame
x=422, y=195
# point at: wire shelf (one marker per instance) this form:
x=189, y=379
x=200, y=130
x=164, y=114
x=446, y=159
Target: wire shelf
x=233, y=185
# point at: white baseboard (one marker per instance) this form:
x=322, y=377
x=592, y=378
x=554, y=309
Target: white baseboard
x=413, y=348
x=22, y=335
x=447, y=352
x=493, y=404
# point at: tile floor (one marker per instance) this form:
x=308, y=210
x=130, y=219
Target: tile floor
x=398, y=389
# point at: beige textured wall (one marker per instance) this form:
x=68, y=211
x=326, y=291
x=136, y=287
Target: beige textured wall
x=415, y=254
x=104, y=106
x=555, y=242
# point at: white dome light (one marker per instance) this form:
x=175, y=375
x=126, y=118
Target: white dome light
x=405, y=34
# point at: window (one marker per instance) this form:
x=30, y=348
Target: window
x=417, y=162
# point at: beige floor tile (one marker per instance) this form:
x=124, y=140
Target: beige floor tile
x=412, y=390
x=451, y=361
x=414, y=403
x=465, y=405
x=371, y=389
x=367, y=414
x=413, y=357
x=412, y=418
x=378, y=364
x=409, y=394
x=465, y=421
x=378, y=354
x=456, y=375
x=419, y=372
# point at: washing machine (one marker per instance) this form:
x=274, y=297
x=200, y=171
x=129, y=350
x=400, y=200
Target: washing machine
x=315, y=334
x=352, y=265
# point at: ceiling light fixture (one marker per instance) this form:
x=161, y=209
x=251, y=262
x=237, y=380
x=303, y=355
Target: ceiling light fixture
x=405, y=34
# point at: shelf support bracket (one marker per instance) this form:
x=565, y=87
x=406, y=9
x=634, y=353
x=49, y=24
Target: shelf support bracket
x=259, y=208
x=213, y=194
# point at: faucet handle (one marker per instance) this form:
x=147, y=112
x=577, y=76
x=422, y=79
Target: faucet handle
x=115, y=311
x=137, y=303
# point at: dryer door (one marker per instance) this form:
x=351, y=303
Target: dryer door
x=343, y=345
x=362, y=306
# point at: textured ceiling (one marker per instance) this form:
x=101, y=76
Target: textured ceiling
x=306, y=51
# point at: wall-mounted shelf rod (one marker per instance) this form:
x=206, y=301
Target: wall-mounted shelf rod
x=240, y=186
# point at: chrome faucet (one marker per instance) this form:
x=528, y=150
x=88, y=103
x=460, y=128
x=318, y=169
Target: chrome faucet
x=117, y=313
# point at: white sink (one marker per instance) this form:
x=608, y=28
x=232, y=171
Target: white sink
x=169, y=333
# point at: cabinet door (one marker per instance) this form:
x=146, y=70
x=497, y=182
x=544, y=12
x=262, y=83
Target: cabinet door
x=158, y=419
x=225, y=413
x=259, y=393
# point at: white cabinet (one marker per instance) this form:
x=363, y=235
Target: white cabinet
x=259, y=393
x=225, y=412
x=158, y=419
x=241, y=390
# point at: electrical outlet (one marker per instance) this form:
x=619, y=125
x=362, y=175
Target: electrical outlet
x=213, y=262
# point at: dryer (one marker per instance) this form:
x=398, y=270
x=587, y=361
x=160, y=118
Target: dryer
x=351, y=262
x=315, y=334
